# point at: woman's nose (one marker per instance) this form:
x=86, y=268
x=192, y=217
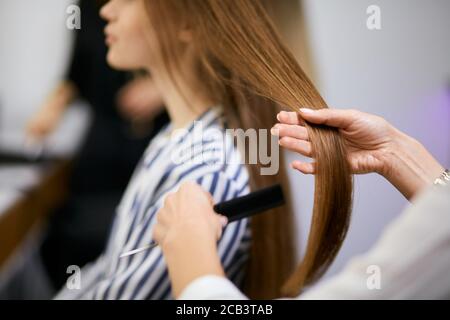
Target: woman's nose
x=107, y=11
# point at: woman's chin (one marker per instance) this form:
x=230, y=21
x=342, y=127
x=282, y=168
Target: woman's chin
x=118, y=63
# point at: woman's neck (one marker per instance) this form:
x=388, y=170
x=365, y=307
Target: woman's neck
x=184, y=103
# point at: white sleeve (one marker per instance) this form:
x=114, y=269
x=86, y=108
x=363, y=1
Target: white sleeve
x=410, y=261
x=211, y=288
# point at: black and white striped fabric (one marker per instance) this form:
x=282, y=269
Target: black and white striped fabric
x=201, y=153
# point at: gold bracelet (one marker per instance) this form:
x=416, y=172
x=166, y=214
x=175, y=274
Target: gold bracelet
x=443, y=179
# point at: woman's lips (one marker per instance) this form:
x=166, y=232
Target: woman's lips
x=110, y=39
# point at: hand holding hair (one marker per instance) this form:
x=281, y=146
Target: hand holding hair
x=372, y=145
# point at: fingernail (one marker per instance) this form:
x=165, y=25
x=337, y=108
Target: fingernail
x=275, y=131
x=306, y=110
x=278, y=117
x=224, y=221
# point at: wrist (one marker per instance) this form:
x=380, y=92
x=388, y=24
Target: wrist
x=189, y=259
x=409, y=166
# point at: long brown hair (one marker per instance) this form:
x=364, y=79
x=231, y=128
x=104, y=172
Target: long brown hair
x=251, y=73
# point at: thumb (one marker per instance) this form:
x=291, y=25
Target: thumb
x=222, y=223
x=330, y=117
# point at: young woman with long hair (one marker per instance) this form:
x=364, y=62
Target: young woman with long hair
x=220, y=62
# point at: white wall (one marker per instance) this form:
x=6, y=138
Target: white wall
x=34, y=50
x=400, y=72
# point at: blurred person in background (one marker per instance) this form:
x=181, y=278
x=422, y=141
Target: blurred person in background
x=127, y=112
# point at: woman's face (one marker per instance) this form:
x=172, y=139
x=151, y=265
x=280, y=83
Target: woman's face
x=127, y=34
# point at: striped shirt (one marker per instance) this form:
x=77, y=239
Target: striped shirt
x=203, y=153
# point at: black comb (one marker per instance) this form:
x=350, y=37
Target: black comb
x=251, y=204
x=238, y=208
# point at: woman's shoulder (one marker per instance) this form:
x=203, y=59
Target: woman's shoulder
x=207, y=154
x=213, y=162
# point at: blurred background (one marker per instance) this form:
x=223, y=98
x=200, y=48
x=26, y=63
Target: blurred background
x=56, y=130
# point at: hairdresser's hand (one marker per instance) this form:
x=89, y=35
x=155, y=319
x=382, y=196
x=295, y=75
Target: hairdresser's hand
x=189, y=211
x=369, y=138
x=140, y=100
x=373, y=145
x=187, y=230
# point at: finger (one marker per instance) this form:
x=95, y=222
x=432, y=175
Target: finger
x=162, y=217
x=168, y=203
x=304, y=167
x=221, y=223
x=293, y=131
x=204, y=192
x=191, y=186
x=292, y=118
x=159, y=233
x=296, y=145
x=210, y=198
x=223, y=220
x=331, y=117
